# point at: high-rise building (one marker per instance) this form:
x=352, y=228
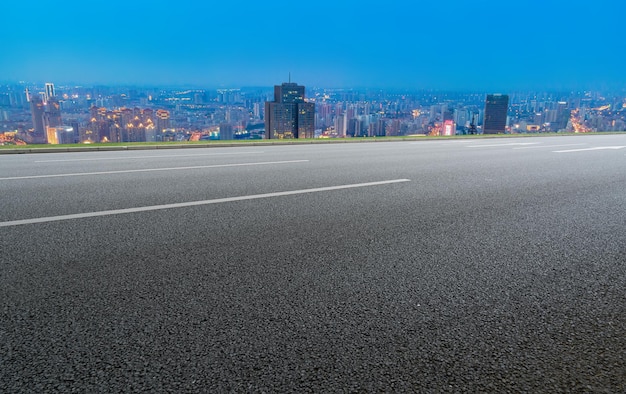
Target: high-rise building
x=162, y=120
x=306, y=120
x=496, y=109
x=461, y=117
x=49, y=91
x=37, y=110
x=340, y=125
x=52, y=116
x=380, y=129
x=448, y=127
x=563, y=115
x=226, y=131
x=60, y=135
x=256, y=109
x=289, y=116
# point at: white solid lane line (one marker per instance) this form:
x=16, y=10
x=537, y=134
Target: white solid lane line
x=153, y=169
x=547, y=146
x=194, y=203
x=590, y=149
x=149, y=157
x=426, y=142
x=509, y=144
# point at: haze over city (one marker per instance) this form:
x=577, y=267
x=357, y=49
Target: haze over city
x=454, y=45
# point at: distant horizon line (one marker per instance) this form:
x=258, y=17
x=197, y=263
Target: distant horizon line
x=75, y=84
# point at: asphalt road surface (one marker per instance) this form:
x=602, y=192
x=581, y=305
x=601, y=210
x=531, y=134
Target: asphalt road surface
x=483, y=265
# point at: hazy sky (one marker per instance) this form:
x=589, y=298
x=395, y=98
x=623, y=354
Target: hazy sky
x=455, y=44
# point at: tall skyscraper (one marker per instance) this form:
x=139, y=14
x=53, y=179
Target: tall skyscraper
x=306, y=120
x=340, y=125
x=37, y=110
x=563, y=115
x=52, y=116
x=496, y=109
x=289, y=116
x=49, y=91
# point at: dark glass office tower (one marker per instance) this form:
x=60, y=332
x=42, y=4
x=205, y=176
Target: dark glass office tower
x=289, y=116
x=37, y=110
x=496, y=109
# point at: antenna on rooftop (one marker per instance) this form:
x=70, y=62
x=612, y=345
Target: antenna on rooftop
x=289, y=76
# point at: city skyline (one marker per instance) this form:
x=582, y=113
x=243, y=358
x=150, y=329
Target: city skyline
x=488, y=46
x=57, y=114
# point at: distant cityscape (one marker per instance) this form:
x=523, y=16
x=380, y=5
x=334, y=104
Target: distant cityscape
x=57, y=114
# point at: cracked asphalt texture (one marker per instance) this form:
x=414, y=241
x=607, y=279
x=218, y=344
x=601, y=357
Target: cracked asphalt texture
x=493, y=270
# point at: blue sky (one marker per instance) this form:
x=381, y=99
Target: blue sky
x=449, y=45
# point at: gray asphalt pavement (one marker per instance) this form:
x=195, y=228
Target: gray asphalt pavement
x=474, y=266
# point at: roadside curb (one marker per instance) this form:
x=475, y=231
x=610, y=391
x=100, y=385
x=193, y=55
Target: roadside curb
x=425, y=139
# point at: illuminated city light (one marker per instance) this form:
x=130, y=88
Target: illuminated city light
x=107, y=115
